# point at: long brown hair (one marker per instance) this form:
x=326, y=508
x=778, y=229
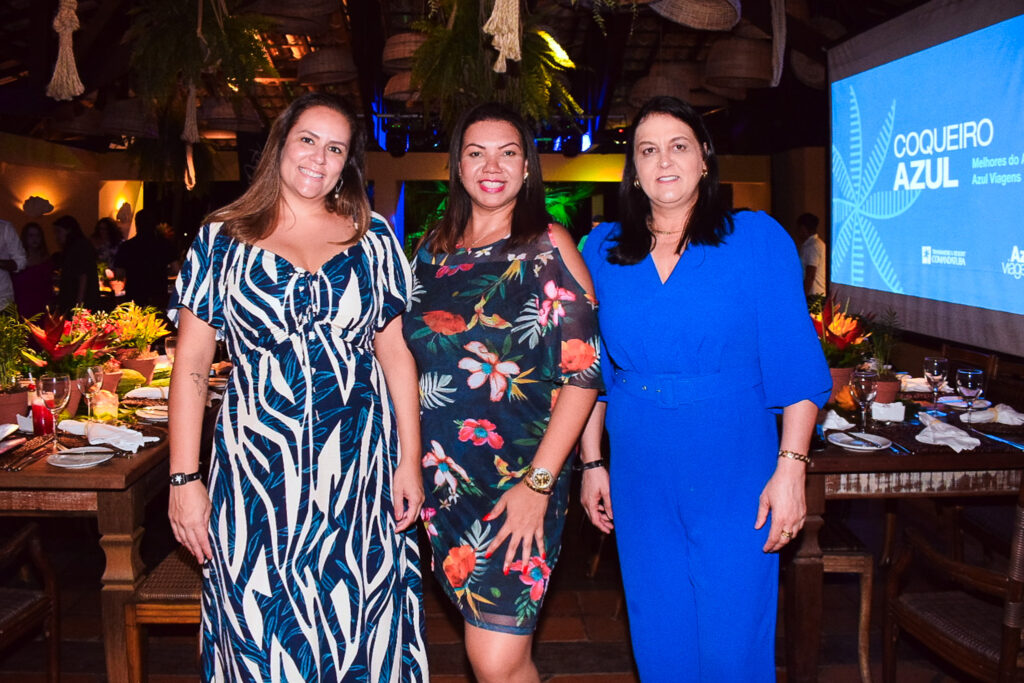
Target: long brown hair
x=252, y=216
x=529, y=217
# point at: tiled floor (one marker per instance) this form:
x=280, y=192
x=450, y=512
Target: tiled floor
x=582, y=636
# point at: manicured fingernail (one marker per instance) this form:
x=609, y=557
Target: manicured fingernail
x=543, y=555
x=506, y=570
x=487, y=517
x=488, y=554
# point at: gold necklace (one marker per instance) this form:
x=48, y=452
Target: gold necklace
x=656, y=231
x=484, y=238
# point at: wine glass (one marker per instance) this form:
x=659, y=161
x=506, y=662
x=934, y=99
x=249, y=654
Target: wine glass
x=935, y=370
x=54, y=391
x=970, y=382
x=89, y=380
x=170, y=344
x=863, y=386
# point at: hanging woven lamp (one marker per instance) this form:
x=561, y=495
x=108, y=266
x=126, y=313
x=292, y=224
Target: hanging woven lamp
x=687, y=73
x=399, y=51
x=706, y=98
x=654, y=85
x=728, y=93
x=129, y=117
x=739, y=63
x=330, y=64
x=706, y=15
x=218, y=115
x=399, y=88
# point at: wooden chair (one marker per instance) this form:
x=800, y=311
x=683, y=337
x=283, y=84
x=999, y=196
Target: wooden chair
x=979, y=635
x=25, y=609
x=960, y=357
x=842, y=552
x=169, y=595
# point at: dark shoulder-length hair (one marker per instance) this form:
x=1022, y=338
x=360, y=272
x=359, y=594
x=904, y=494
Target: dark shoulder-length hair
x=529, y=216
x=709, y=223
x=252, y=216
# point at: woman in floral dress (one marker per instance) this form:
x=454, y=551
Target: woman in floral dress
x=503, y=328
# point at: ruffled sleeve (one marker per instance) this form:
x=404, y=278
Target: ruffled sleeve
x=198, y=287
x=792, y=363
x=395, y=276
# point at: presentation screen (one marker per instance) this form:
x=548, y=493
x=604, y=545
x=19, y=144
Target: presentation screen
x=927, y=160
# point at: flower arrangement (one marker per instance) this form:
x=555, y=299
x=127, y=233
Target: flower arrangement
x=843, y=335
x=136, y=328
x=63, y=344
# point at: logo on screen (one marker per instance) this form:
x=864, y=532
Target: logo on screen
x=1014, y=266
x=926, y=255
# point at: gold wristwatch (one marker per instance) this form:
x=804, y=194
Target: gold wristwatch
x=540, y=480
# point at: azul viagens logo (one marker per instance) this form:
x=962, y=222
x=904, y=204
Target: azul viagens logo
x=1014, y=266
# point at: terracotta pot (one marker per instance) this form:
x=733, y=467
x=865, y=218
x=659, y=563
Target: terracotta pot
x=840, y=378
x=111, y=380
x=886, y=390
x=143, y=366
x=14, y=403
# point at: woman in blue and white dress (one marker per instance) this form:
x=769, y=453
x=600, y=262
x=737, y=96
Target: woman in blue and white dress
x=314, y=478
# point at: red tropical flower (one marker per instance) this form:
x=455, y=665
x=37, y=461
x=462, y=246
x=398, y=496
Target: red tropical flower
x=535, y=574
x=60, y=347
x=444, y=322
x=480, y=432
x=459, y=564
x=577, y=355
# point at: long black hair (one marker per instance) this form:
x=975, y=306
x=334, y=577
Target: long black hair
x=529, y=216
x=709, y=223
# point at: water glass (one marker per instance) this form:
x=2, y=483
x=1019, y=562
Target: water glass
x=170, y=344
x=936, y=369
x=89, y=380
x=863, y=386
x=970, y=382
x=54, y=391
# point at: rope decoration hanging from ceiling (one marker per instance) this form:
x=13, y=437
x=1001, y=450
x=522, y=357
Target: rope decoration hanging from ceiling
x=504, y=26
x=65, y=83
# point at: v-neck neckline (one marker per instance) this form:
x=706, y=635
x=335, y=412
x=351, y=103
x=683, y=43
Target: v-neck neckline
x=300, y=269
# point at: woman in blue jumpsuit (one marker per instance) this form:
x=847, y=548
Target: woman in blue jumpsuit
x=707, y=333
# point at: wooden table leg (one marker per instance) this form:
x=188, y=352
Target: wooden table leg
x=119, y=516
x=803, y=596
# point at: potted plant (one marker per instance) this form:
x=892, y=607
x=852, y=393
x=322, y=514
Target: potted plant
x=136, y=328
x=884, y=335
x=61, y=345
x=843, y=336
x=14, y=399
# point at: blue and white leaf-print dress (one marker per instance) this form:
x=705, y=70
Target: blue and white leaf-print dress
x=308, y=581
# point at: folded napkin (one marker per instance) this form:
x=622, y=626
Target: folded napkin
x=833, y=421
x=98, y=433
x=942, y=434
x=148, y=392
x=888, y=412
x=919, y=385
x=1001, y=413
x=25, y=423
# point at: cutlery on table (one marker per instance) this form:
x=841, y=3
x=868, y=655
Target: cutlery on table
x=18, y=464
x=897, y=447
x=861, y=441
x=1016, y=444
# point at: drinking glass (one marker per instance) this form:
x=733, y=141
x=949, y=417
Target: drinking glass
x=170, y=344
x=54, y=391
x=970, y=382
x=935, y=370
x=863, y=386
x=89, y=380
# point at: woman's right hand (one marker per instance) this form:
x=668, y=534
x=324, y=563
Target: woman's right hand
x=595, y=494
x=189, y=511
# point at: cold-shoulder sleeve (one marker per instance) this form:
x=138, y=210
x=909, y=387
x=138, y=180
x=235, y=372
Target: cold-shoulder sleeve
x=394, y=281
x=793, y=366
x=198, y=287
x=574, y=311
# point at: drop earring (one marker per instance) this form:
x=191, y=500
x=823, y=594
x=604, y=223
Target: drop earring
x=526, y=175
x=337, y=188
x=704, y=173
x=636, y=183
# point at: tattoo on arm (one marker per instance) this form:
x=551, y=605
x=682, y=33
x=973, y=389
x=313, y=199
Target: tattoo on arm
x=200, y=382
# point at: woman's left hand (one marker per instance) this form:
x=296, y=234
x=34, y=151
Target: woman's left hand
x=524, y=523
x=407, y=495
x=783, y=496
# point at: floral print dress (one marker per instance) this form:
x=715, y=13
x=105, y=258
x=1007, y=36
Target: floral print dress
x=495, y=333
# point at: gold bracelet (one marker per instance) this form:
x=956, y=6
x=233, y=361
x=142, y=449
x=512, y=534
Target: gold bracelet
x=793, y=455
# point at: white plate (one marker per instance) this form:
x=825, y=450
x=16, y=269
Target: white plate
x=152, y=413
x=844, y=440
x=78, y=458
x=960, y=404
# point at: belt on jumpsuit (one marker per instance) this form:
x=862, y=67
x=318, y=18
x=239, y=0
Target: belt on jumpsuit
x=672, y=390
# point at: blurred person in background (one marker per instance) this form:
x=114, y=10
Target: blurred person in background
x=33, y=284
x=78, y=284
x=143, y=260
x=12, y=258
x=106, y=238
x=812, y=254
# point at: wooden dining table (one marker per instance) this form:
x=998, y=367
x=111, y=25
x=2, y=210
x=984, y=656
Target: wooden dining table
x=115, y=493
x=928, y=471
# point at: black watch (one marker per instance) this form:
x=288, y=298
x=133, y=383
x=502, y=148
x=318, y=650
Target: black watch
x=180, y=478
